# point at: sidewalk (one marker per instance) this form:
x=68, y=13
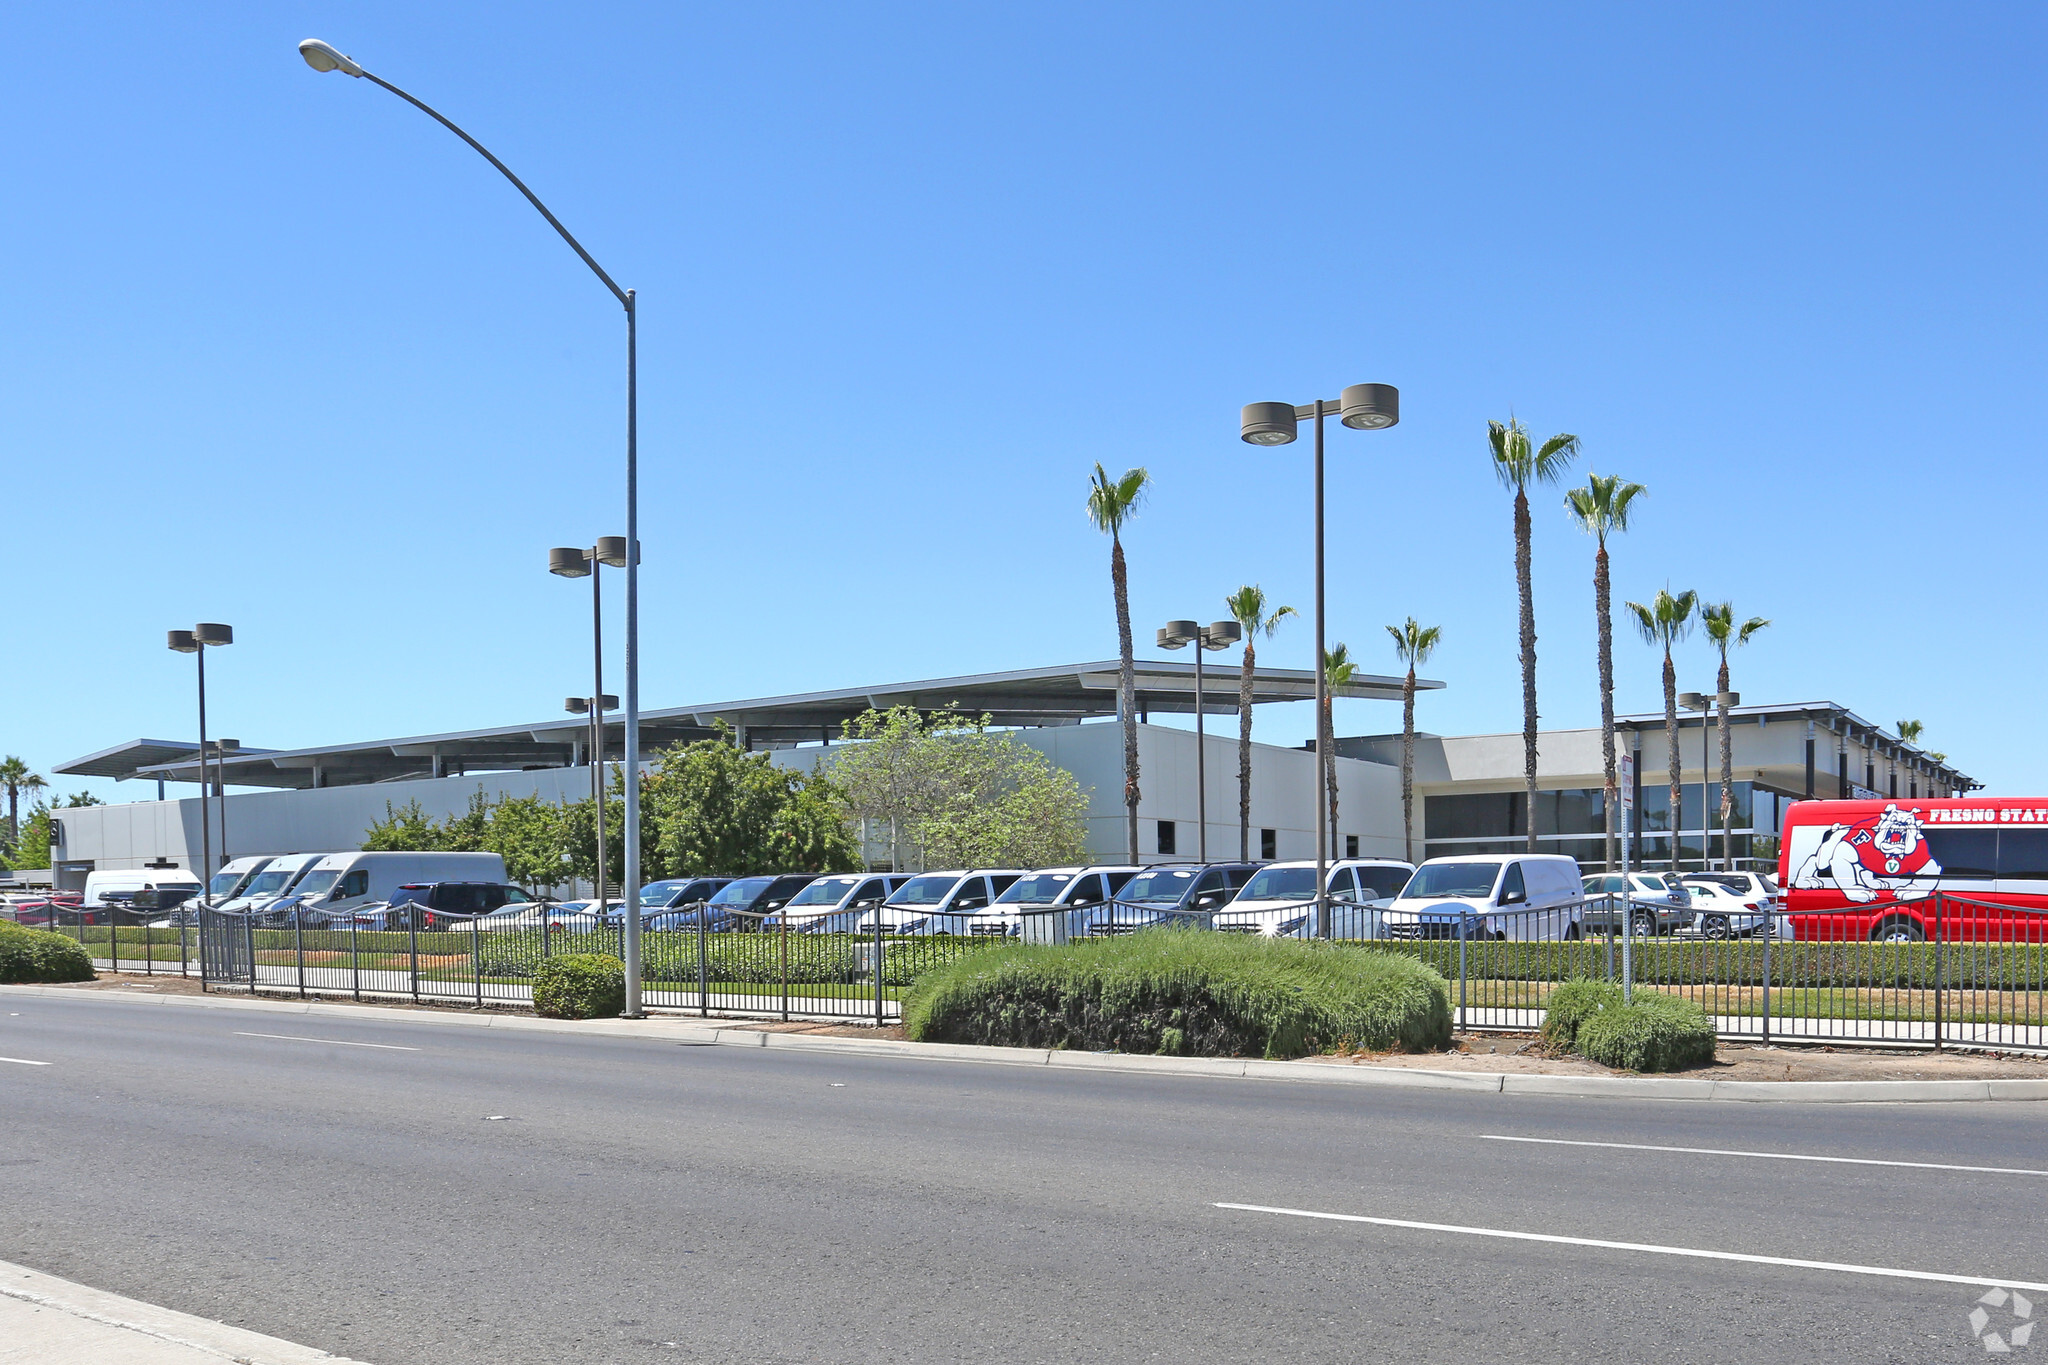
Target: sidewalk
x=48, y=1321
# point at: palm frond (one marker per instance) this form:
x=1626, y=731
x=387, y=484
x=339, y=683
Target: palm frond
x=1646, y=621
x=1510, y=445
x=1549, y=463
x=1111, y=501
x=1749, y=628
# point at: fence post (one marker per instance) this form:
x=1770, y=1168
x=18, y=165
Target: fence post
x=184, y=958
x=1770, y=932
x=1464, y=936
x=1610, y=936
x=875, y=965
x=703, y=969
x=412, y=938
x=785, y=966
x=1938, y=981
x=148, y=949
x=355, y=958
x=1628, y=946
x=298, y=950
x=249, y=942
x=476, y=963
x=113, y=940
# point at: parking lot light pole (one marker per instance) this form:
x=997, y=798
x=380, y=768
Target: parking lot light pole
x=324, y=57
x=194, y=642
x=1362, y=407
x=593, y=738
x=1704, y=703
x=610, y=551
x=1215, y=635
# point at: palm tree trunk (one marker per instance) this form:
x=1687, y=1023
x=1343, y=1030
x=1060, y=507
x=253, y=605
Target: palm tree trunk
x=1528, y=595
x=1127, y=690
x=13, y=817
x=1603, y=606
x=1326, y=754
x=1408, y=766
x=1727, y=773
x=1244, y=752
x=1671, y=748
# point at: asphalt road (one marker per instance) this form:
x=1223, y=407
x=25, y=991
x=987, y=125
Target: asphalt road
x=649, y=1202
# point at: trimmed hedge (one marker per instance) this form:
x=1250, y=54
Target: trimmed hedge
x=1179, y=993
x=1740, y=962
x=580, y=986
x=1655, y=1033
x=1566, y=1009
x=38, y=955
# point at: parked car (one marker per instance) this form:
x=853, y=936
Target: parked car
x=1490, y=895
x=273, y=883
x=1279, y=900
x=1721, y=910
x=1658, y=903
x=944, y=903
x=444, y=905
x=658, y=898
x=532, y=916
x=347, y=881
x=835, y=904
x=742, y=904
x=1171, y=896
x=1056, y=904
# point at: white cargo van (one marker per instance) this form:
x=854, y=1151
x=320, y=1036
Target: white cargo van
x=233, y=879
x=342, y=881
x=273, y=883
x=116, y=888
x=1490, y=895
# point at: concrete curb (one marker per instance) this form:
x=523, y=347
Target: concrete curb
x=672, y=1029
x=132, y=1331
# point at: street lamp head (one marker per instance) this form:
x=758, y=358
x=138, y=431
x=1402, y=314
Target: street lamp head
x=576, y=706
x=607, y=702
x=213, y=633
x=1221, y=634
x=324, y=57
x=611, y=551
x=1368, y=407
x=1725, y=700
x=1178, y=634
x=1267, y=424
x=182, y=641
x=569, y=562
x=1691, y=701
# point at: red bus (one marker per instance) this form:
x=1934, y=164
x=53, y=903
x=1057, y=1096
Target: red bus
x=1870, y=869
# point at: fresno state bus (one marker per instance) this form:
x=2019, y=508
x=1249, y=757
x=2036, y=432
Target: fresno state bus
x=1867, y=869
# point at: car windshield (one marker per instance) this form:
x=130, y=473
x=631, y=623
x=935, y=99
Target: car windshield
x=824, y=891
x=1042, y=889
x=924, y=890
x=316, y=882
x=657, y=893
x=1167, y=885
x=1280, y=884
x=1450, y=879
x=268, y=883
x=223, y=882
x=742, y=891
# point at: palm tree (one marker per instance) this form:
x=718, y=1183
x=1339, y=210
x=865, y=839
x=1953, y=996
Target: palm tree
x=1247, y=606
x=1666, y=621
x=1517, y=464
x=1601, y=508
x=1413, y=645
x=16, y=776
x=1911, y=730
x=1719, y=619
x=1338, y=670
x=1111, y=502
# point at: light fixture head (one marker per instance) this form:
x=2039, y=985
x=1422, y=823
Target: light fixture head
x=608, y=702
x=325, y=57
x=1178, y=634
x=576, y=706
x=228, y=746
x=213, y=633
x=1267, y=424
x=611, y=551
x=1691, y=701
x=182, y=641
x=569, y=562
x=1368, y=407
x=1221, y=634
x=1725, y=700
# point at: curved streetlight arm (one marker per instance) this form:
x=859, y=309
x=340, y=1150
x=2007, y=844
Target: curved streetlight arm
x=625, y=300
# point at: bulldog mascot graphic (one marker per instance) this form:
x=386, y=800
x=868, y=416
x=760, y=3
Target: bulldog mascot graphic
x=1872, y=858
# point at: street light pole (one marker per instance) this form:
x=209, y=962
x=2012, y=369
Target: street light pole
x=1362, y=407
x=194, y=642
x=570, y=562
x=324, y=57
x=1215, y=635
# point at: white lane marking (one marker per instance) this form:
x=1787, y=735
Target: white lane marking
x=295, y=1038
x=1794, y=1262
x=1774, y=1156
x=22, y=1061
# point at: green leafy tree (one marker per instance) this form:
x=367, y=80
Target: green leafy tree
x=1247, y=606
x=1719, y=620
x=718, y=809
x=1601, y=509
x=1111, y=503
x=404, y=829
x=17, y=777
x=1413, y=644
x=1517, y=463
x=32, y=849
x=1664, y=622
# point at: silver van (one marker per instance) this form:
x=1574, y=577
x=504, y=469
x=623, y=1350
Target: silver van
x=1490, y=895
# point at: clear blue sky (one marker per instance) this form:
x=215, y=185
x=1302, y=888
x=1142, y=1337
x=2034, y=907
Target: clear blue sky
x=277, y=350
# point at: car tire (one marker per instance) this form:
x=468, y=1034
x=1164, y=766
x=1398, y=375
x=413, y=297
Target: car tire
x=1645, y=926
x=1715, y=926
x=1898, y=930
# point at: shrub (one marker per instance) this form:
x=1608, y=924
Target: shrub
x=1656, y=1033
x=1568, y=1007
x=39, y=955
x=580, y=986
x=1194, y=994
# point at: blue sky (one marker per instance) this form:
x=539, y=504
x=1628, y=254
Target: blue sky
x=277, y=350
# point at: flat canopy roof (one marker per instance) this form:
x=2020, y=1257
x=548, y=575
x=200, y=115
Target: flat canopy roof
x=1063, y=695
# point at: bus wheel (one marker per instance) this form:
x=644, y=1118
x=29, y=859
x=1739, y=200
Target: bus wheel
x=1898, y=931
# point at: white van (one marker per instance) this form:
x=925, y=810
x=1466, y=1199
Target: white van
x=116, y=889
x=273, y=883
x=340, y=882
x=1279, y=900
x=233, y=879
x=1490, y=895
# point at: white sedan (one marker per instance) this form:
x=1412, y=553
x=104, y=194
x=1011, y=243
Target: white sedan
x=1718, y=912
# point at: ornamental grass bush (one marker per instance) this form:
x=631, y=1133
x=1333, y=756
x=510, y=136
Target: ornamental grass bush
x=580, y=986
x=1162, y=991
x=1568, y=1007
x=38, y=955
x=1656, y=1032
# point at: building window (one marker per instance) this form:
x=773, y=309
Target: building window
x=1350, y=846
x=1166, y=836
x=1269, y=844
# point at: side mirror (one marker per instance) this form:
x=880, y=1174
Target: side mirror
x=1513, y=897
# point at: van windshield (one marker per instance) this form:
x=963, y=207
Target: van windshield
x=824, y=891
x=1450, y=879
x=743, y=891
x=268, y=883
x=223, y=882
x=1280, y=884
x=1165, y=886
x=1042, y=889
x=317, y=882
x=924, y=890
